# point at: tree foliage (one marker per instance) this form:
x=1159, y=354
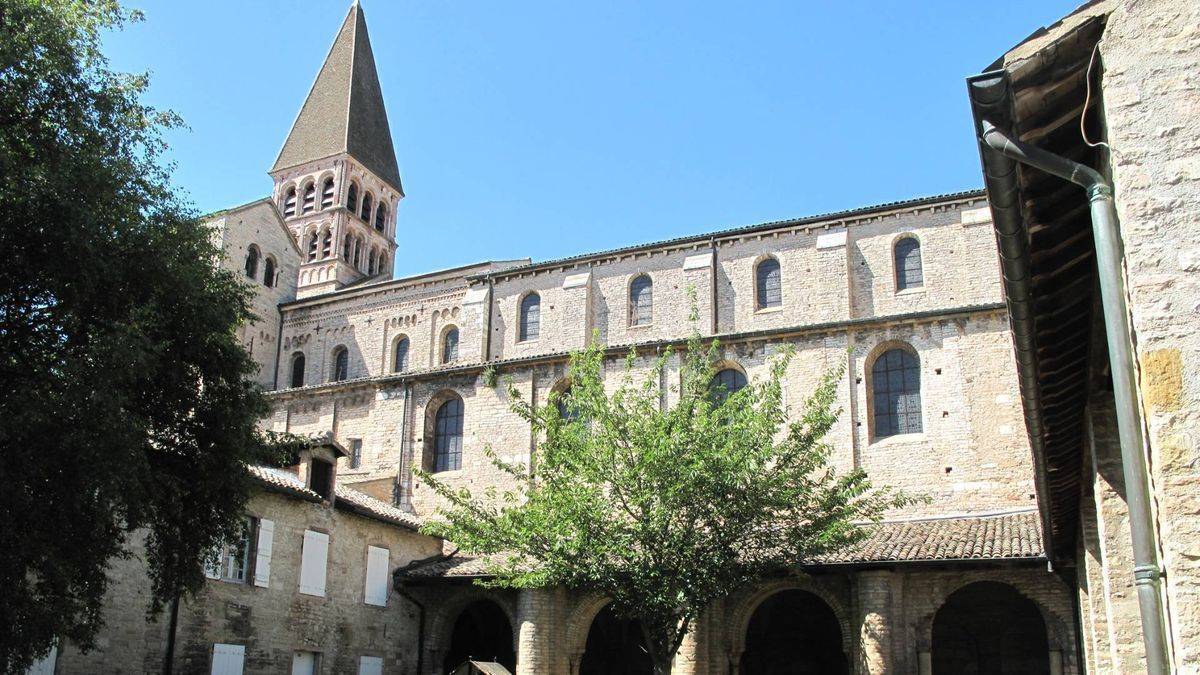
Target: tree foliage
x=664, y=509
x=125, y=415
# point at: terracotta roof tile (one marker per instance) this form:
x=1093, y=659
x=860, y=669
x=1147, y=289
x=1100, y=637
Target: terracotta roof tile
x=1007, y=536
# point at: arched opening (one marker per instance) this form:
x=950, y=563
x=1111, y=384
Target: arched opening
x=352, y=198
x=252, y=256
x=768, y=284
x=725, y=383
x=444, y=434
x=615, y=646
x=641, y=301
x=297, y=378
x=269, y=272
x=310, y=198
x=895, y=386
x=988, y=628
x=327, y=193
x=450, y=345
x=794, y=632
x=289, y=203
x=381, y=217
x=365, y=214
x=341, y=364
x=482, y=632
x=531, y=318
x=326, y=244
x=909, y=270
x=312, y=245
x=400, y=355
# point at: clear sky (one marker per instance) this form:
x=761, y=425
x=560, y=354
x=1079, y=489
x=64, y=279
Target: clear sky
x=545, y=129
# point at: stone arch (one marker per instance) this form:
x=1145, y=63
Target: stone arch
x=442, y=622
x=580, y=624
x=868, y=367
x=428, y=431
x=744, y=610
x=1058, y=636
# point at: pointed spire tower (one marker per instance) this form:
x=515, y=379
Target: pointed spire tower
x=336, y=179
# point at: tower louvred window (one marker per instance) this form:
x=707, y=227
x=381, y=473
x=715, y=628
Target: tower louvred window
x=310, y=198
x=327, y=194
x=289, y=203
x=381, y=217
x=327, y=244
x=365, y=214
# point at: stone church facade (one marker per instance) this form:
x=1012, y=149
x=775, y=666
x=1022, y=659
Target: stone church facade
x=393, y=374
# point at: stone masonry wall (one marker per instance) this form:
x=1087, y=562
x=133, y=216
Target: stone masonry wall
x=1151, y=99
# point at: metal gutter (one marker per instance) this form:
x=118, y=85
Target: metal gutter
x=1000, y=154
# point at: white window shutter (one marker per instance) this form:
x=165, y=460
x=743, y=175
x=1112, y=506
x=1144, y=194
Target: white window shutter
x=313, y=562
x=227, y=659
x=262, y=554
x=370, y=665
x=376, y=592
x=304, y=663
x=45, y=665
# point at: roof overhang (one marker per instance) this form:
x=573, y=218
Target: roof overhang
x=1037, y=93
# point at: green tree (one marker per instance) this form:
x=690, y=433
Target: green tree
x=666, y=509
x=126, y=417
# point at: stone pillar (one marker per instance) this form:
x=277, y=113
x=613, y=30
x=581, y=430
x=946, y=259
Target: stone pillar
x=689, y=660
x=875, y=628
x=536, y=623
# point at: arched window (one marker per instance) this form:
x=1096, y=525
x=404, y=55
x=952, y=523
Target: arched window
x=768, y=286
x=381, y=217
x=352, y=198
x=357, y=253
x=896, y=393
x=562, y=402
x=531, y=317
x=269, y=272
x=327, y=193
x=289, y=203
x=327, y=244
x=341, y=364
x=312, y=245
x=641, y=301
x=252, y=261
x=298, y=369
x=725, y=383
x=450, y=346
x=347, y=247
x=371, y=264
x=310, y=198
x=365, y=214
x=400, y=358
x=909, y=273
x=382, y=268
x=447, y=436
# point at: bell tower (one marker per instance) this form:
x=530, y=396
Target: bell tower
x=337, y=183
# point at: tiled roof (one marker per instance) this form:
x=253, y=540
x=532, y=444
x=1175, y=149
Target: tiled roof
x=281, y=480
x=1006, y=536
x=373, y=508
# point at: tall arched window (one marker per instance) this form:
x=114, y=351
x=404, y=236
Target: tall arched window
x=358, y=244
x=531, y=317
x=371, y=263
x=347, y=247
x=909, y=273
x=327, y=193
x=450, y=346
x=298, y=369
x=327, y=244
x=447, y=436
x=252, y=261
x=269, y=272
x=312, y=245
x=725, y=383
x=768, y=284
x=896, y=393
x=641, y=301
x=310, y=198
x=352, y=198
x=365, y=214
x=341, y=364
x=400, y=357
x=381, y=217
x=382, y=268
x=289, y=203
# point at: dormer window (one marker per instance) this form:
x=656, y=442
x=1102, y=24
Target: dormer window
x=320, y=477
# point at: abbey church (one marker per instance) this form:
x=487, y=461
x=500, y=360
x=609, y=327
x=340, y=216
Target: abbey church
x=1020, y=559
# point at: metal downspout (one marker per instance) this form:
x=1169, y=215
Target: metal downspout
x=1109, y=267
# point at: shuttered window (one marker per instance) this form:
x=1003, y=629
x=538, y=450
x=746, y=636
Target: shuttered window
x=768, y=284
x=313, y=561
x=376, y=591
x=327, y=194
x=310, y=198
x=531, y=317
x=641, y=301
x=909, y=271
x=896, y=390
x=262, y=554
x=228, y=659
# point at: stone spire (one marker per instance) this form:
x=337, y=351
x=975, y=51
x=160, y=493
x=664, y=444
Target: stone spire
x=344, y=111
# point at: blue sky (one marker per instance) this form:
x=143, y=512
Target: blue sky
x=545, y=129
